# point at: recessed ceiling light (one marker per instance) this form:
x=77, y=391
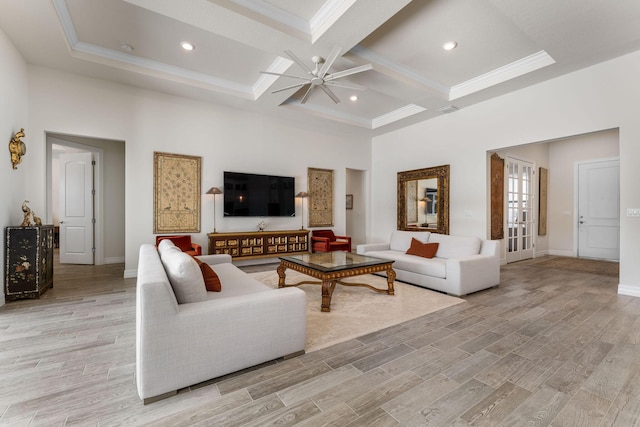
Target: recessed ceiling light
x=450, y=45
x=126, y=47
x=354, y=98
x=187, y=46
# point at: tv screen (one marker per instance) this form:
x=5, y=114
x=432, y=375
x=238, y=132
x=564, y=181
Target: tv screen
x=248, y=194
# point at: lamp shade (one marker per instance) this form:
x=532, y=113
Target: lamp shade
x=302, y=195
x=214, y=190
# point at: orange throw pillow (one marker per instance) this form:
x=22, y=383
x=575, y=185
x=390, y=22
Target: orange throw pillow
x=211, y=279
x=425, y=250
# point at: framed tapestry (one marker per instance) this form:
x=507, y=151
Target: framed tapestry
x=176, y=193
x=542, y=203
x=497, y=197
x=320, y=182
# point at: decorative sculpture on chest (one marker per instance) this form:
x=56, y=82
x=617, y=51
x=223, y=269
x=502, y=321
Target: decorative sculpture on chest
x=28, y=215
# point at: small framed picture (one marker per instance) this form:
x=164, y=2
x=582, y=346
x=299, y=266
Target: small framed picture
x=349, y=203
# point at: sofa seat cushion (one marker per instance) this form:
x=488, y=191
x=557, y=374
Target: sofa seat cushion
x=235, y=282
x=401, y=240
x=434, y=267
x=185, y=276
x=456, y=246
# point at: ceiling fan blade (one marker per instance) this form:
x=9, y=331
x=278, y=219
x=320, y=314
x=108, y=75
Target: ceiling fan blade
x=345, y=85
x=329, y=61
x=348, y=72
x=306, y=94
x=290, y=87
x=297, y=60
x=283, y=75
x=330, y=93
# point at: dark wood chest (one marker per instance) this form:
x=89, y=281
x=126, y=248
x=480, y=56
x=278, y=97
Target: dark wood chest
x=28, y=261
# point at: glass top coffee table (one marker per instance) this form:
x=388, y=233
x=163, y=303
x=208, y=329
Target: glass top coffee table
x=330, y=267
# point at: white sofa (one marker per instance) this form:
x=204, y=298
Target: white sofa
x=462, y=265
x=245, y=324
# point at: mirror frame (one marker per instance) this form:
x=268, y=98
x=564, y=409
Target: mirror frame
x=442, y=175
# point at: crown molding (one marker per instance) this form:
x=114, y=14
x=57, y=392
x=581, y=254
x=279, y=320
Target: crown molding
x=125, y=61
x=500, y=75
x=395, y=115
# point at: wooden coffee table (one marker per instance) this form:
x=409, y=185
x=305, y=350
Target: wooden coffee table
x=330, y=267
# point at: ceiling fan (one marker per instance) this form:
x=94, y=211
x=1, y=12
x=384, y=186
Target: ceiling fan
x=320, y=77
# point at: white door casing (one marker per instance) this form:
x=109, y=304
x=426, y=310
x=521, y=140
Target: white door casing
x=599, y=209
x=76, y=208
x=520, y=218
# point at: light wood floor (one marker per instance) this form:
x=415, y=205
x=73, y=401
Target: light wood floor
x=548, y=347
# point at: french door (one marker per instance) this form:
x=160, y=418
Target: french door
x=520, y=209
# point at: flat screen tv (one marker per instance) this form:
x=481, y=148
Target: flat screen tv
x=247, y=194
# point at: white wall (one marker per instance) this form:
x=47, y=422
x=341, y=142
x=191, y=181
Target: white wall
x=226, y=139
x=601, y=97
x=13, y=116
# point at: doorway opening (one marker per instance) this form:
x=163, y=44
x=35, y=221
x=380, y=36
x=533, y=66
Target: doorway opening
x=356, y=212
x=102, y=201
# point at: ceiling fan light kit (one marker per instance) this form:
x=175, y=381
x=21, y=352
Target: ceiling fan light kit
x=320, y=77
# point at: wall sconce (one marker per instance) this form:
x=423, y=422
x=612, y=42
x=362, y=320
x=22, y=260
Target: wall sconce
x=214, y=191
x=302, y=195
x=17, y=148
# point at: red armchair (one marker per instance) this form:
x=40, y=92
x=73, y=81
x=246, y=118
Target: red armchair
x=184, y=243
x=326, y=241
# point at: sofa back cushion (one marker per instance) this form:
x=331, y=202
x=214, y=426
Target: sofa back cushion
x=166, y=245
x=456, y=246
x=185, y=276
x=401, y=240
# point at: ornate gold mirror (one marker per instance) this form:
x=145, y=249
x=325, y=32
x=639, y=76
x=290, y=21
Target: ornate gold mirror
x=423, y=200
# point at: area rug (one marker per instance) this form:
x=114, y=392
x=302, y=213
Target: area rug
x=357, y=311
x=606, y=268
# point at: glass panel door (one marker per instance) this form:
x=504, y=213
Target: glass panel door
x=520, y=209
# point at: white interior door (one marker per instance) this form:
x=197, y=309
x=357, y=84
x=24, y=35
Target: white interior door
x=599, y=210
x=76, y=208
x=520, y=212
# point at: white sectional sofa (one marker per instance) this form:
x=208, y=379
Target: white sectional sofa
x=245, y=324
x=462, y=265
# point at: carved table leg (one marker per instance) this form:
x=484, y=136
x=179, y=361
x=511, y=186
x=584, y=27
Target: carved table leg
x=327, y=291
x=391, y=276
x=281, y=268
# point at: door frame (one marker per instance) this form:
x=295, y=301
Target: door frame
x=576, y=202
x=58, y=139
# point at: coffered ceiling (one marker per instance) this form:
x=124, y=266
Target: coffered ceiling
x=502, y=45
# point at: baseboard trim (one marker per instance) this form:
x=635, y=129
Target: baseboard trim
x=632, y=291
x=561, y=253
x=130, y=274
x=114, y=260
